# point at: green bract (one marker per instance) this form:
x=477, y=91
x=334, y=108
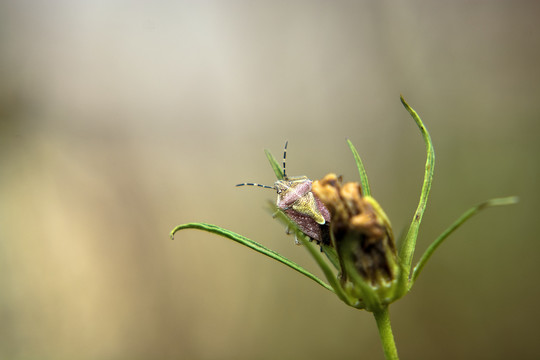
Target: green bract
x=342, y=259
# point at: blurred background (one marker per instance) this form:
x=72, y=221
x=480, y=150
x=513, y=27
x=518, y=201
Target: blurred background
x=122, y=119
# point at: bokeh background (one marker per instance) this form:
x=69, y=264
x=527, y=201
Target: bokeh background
x=122, y=119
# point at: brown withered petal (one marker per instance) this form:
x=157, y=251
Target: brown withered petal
x=357, y=229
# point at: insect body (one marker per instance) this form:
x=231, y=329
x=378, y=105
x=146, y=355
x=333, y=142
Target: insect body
x=300, y=204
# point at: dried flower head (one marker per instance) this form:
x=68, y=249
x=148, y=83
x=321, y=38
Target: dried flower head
x=359, y=229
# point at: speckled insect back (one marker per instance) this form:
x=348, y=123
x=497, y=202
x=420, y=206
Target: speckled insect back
x=300, y=204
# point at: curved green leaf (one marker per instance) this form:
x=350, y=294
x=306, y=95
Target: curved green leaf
x=252, y=245
x=407, y=247
x=361, y=170
x=316, y=254
x=275, y=165
x=466, y=216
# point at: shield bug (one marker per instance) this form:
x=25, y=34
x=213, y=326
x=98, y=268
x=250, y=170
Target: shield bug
x=300, y=204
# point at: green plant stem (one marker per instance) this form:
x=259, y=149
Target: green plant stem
x=382, y=318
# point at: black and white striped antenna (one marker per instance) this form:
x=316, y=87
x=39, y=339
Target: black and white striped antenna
x=255, y=184
x=284, y=172
x=285, y=161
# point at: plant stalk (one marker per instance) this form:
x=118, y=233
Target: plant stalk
x=382, y=318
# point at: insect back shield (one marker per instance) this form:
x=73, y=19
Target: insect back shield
x=300, y=204
x=351, y=228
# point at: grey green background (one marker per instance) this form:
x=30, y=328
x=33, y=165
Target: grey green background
x=122, y=119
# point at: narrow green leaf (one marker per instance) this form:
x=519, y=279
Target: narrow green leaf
x=370, y=300
x=252, y=245
x=275, y=165
x=316, y=254
x=330, y=276
x=361, y=170
x=331, y=254
x=407, y=247
x=466, y=216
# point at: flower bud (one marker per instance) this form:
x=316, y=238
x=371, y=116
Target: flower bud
x=360, y=231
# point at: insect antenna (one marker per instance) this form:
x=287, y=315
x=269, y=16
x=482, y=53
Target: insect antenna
x=285, y=161
x=255, y=184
